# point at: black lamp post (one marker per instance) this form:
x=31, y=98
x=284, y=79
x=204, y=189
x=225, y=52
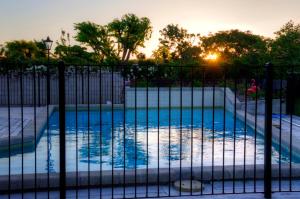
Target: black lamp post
x=48, y=44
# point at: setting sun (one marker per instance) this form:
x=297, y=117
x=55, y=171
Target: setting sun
x=211, y=57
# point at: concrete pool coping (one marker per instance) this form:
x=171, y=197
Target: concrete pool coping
x=104, y=178
x=284, y=138
x=31, y=131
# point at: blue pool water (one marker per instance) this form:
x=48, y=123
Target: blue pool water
x=98, y=141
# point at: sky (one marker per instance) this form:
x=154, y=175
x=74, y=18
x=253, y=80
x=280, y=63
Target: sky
x=36, y=19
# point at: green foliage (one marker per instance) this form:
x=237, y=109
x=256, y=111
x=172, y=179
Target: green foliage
x=1, y=51
x=141, y=56
x=236, y=47
x=72, y=54
x=130, y=33
x=239, y=53
x=177, y=45
x=116, y=41
x=24, y=51
x=97, y=38
x=285, y=49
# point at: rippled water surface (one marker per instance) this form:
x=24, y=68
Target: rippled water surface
x=98, y=143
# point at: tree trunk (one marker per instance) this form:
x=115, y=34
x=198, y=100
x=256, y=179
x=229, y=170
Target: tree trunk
x=124, y=55
x=128, y=55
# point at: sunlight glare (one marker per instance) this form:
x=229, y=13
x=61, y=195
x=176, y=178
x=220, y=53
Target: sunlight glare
x=211, y=57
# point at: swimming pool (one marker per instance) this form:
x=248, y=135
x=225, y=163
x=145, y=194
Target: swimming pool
x=166, y=138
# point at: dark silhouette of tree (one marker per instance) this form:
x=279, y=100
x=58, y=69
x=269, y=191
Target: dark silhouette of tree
x=1, y=51
x=72, y=53
x=285, y=49
x=141, y=56
x=130, y=33
x=177, y=44
x=21, y=50
x=236, y=47
x=97, y=38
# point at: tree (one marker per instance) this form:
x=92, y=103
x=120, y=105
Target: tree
x=236, y=47
x=21, y=50
x=130, y=33
x=1, y=51
x=285, y=49
x=97, y=38
x=176, y=44
x=141, y=56
x=72, y=54
x=162, y=54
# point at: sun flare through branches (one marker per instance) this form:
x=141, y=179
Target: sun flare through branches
x=211, y=57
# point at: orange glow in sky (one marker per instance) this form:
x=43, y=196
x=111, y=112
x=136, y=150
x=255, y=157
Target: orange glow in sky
x=35, y=19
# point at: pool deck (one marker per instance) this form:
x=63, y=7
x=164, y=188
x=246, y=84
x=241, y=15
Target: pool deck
x=142, y=176
x=287, y=136
x=21, y=133
x=94, y=193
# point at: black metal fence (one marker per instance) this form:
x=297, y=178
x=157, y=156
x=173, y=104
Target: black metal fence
x=74, y=75
x=148, y=131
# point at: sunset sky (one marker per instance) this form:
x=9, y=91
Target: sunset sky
x=36, y=19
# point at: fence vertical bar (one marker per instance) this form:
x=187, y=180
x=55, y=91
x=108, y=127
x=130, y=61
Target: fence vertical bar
x=101, y=131
x=39, y=89
x=76, y=129
x=22, y=124
x=224, y=132
x=170, y=97
x=158, y=132
x=9, y=130
x=35, y=131
x=234, y=135
x=268, y=133
x=124, y=131
x=135, y=132
x=48, y=128
x=202, y=124
x=245, y=137
x=192, y=128
x=62, y=124
x=291, y=111
x=147, y=131
x=213, y=139
x=280, y=129
x=180, y=159
x=48, y=84
x=255, y=134
x=112, y=131
x=88, y=130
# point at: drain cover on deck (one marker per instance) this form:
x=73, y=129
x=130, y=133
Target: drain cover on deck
x=188, y=186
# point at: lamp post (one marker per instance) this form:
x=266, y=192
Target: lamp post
x=48, y=44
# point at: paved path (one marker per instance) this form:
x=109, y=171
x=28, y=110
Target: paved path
x=164, y=192
x=228, y=196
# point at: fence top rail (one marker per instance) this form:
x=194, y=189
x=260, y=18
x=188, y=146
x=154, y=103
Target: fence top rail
x=121, y=65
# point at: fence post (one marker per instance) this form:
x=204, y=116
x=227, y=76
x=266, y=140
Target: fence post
x=268, y=132
x=62, y=125
x=48, y=84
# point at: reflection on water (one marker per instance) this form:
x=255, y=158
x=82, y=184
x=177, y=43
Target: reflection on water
x=180, y=139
